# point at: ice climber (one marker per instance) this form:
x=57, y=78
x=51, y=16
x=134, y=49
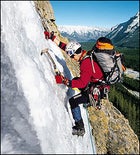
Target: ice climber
x=88, y=74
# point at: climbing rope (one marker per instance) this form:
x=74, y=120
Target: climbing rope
x=93, y=147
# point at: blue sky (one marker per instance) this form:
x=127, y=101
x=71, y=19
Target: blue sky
x=94, y=13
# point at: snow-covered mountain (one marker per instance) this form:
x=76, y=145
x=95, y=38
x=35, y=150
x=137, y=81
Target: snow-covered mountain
x=35, y=113
x=126, y=34
x=82, y=33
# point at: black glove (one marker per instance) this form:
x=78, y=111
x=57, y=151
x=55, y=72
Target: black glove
x=66, y=82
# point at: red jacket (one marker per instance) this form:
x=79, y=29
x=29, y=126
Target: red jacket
x=86, y=74
x=86, y=71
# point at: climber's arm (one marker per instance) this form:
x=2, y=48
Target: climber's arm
x=55, y=39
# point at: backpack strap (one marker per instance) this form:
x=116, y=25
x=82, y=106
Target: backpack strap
x=92, y=64
x=89, y=55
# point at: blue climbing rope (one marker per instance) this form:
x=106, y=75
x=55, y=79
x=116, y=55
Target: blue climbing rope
x=93, y=148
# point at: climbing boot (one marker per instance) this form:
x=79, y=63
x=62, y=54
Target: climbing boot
x=78, y=129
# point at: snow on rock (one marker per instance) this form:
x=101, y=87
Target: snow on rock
x=132, y=74
x=134, y=24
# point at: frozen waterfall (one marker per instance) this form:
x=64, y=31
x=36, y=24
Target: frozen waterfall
x=35, y=113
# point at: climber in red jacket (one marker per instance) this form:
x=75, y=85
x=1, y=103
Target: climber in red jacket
x=90, y=72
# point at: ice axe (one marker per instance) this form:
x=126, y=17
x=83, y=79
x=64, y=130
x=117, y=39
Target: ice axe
x=58, y=74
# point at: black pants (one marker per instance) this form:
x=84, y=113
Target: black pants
x=74, y=103
x=78, y=99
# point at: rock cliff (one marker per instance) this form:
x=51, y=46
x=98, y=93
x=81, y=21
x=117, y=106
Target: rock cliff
x=46, y=14
x=111, y=130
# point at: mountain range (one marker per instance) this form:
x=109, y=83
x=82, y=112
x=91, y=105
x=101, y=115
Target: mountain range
x=124, y=34
x=82, y=33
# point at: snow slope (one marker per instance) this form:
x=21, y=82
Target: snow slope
x=35, y=115
x=126, y=34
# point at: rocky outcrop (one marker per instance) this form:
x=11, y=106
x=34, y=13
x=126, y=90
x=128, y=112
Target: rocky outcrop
x=46, y=13
x=111, y=130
